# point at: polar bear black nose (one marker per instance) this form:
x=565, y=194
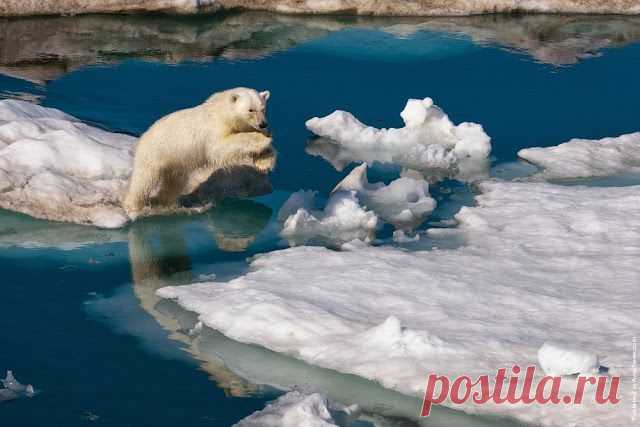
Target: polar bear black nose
x=263, y=125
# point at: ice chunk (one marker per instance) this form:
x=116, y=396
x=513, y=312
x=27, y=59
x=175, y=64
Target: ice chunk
x=559, y=359
x=405, y=202
x=429, y=141
x=399, y=236
x=296, y=409
x=13, y=389
x=342, y=220
x=302, y=199
x=354, y=209
x=583, y=158
x=541, y=262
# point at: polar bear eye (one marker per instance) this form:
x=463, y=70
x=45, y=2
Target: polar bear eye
x=251, y=110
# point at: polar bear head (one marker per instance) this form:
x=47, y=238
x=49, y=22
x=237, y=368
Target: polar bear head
x=245, y=108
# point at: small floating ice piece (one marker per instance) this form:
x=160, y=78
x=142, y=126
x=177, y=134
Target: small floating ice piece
x=14, y=389
x=560, y=359
x=296, y=409
x=584, y=158
x=405, y=202
x=429, y=140
x=354, y=208
x=400, y=236
x=342, y=220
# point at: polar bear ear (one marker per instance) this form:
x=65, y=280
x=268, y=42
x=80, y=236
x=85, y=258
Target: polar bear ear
x=234, y=97
x=265, y=95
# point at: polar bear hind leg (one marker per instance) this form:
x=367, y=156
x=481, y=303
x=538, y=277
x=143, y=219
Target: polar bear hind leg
x=141, y=188
x=172, y=184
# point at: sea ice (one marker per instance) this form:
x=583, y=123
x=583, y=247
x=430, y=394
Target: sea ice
x=429, y=142
x=55, y=167
x=541, y=263
x=404, y=202
x=13, y=389
x=355, y=208
x=563, y=359
x=296, y=409
x=400, y=236
x=584, y=158
x=342, y=220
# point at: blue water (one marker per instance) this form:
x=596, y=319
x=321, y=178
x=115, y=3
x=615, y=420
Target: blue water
x=74, y=322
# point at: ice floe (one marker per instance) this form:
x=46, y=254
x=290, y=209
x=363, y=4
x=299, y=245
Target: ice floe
x=584, y=158
x=53, y=166
x=355, y=209
x=404, y=202
x=428, y=142
x=296, y=409
x=541, y=263
x=358, y=7
x=13, y=389
x=343, y=219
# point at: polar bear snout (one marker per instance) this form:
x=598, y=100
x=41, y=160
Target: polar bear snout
x=264, y=129
x=258, y=121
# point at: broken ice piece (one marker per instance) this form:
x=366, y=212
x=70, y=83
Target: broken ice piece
x=559, y=359
x=13, y=389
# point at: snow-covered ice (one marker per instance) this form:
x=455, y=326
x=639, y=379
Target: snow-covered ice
x=428, y=142
x=399, y=236
x=355, y=209
x=296, y=409
x=564, y=359
x=12, y=389
x=542, y=263
x=53, y=166
x=584, y=158
x=343, y=219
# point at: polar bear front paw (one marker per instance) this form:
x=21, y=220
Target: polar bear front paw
x=265, y=161
x=260, y=143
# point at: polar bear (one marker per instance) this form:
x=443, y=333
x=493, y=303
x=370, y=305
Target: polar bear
x=181, y=150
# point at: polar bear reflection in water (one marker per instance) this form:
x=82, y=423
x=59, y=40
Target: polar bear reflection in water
x=159, y=257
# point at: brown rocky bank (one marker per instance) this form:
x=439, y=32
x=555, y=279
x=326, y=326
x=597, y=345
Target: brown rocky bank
x=355, y=7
